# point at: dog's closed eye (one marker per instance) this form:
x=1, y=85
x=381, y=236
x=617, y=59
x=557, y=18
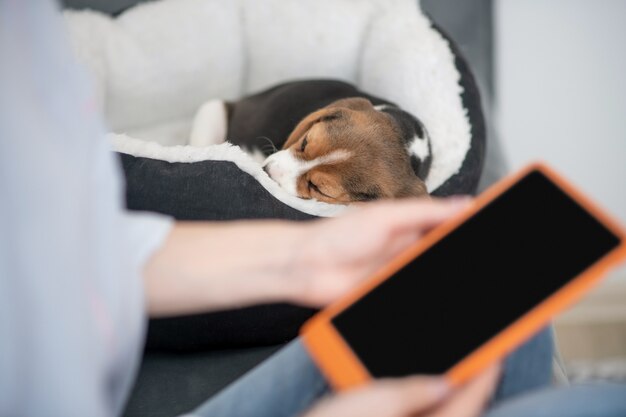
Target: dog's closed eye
x=315, y=188
x=304, y=143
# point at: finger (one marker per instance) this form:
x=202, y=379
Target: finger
x=416, y=214
x=414, y=394
x=471, y=399
x=396, y=244
x=390, y=398
x=399, y=242
x=403, y=231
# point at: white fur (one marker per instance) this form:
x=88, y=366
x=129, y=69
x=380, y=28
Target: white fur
x=155, y=64
x=284, y=168
x=210, y=124
x=257, y=156
x=419, y=147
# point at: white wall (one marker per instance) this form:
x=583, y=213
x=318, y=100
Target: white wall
x=561, y=90
x=561, y=97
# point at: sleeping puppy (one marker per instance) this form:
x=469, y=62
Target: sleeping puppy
x=338, y=144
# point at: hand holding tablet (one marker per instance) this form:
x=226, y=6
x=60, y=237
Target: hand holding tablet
x=473, y=289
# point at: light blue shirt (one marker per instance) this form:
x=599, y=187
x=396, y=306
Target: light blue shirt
x=71, y=297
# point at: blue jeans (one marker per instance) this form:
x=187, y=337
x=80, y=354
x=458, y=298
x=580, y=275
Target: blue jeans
x=288, y=383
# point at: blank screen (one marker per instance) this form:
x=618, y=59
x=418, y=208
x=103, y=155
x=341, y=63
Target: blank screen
x=507, y=258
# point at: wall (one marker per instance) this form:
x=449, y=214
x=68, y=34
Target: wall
x=561, y=97
x=561, y=90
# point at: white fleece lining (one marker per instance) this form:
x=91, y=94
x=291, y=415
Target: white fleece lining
x=157, y=63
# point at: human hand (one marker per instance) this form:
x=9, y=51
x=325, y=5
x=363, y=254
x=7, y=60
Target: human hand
x=340, y=252
x=206, y=266
x=413, y=396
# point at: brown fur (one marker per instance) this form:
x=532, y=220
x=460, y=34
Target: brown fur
x=378, y=166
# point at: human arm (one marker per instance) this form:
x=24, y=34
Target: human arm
x=206, y=266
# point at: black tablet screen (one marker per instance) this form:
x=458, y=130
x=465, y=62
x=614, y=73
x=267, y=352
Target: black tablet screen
x=466, y=288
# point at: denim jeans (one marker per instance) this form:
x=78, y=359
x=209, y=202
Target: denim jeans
x=288, y=383
x=597, y=400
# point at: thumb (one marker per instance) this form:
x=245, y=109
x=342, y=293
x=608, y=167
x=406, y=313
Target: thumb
x=427, y=214
x=385, y=398
x=418, y=215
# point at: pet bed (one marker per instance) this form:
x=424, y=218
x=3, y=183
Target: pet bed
x=156, y=63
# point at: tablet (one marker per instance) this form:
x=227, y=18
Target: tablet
x=471, y=290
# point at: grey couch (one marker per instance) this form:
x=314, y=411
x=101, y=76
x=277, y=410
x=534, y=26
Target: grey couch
x=172, y=383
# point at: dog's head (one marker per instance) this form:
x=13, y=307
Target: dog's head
x=353, y=151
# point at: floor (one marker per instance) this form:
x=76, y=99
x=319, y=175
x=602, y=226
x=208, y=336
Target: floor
x=591, y=336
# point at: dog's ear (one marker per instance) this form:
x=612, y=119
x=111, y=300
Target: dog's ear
x=305, y=124
x=354, y=103
x=415, y=188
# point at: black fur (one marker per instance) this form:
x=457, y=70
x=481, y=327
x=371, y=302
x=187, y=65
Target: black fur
x=271, y=115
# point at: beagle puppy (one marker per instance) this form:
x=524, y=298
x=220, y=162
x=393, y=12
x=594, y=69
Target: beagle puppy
x=337, y=144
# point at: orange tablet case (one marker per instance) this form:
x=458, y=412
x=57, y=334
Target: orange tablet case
x=344, y=370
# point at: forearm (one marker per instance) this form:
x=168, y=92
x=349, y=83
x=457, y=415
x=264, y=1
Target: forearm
x=210, y=266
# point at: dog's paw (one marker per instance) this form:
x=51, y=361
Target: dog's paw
x=210, y=124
